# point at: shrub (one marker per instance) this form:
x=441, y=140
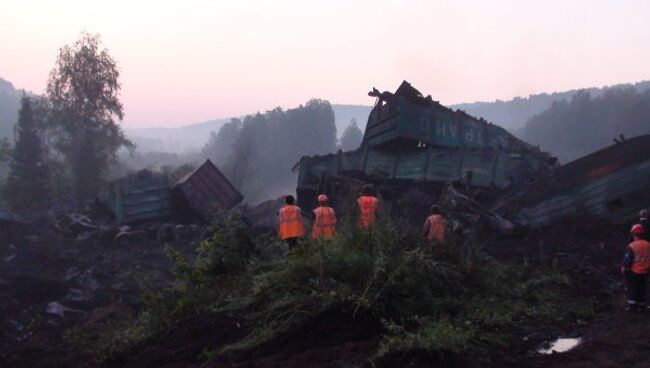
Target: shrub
x=425, y=297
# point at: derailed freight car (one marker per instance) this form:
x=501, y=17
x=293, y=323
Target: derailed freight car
x=611, y=184
x=152, y=196
x=412, y=141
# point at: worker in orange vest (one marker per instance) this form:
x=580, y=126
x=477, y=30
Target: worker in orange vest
x=324, y=220
x=367, y=203
x=635, y=267
x=291, y=226
x=435, y=228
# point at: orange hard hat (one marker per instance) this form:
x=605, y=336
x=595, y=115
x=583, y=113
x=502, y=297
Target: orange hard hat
x=322, y=198
x=637, y=230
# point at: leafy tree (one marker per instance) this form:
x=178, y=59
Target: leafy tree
x=27, y=185
x=83, y=89
x=352, y=136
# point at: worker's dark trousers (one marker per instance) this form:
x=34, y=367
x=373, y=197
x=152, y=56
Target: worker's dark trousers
x=292, y=243
x=635, y=285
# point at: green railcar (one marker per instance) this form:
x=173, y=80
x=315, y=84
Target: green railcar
x=612, y=184
x=413, y=138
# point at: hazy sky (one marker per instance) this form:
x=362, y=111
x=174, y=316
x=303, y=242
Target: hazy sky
x=190, y=61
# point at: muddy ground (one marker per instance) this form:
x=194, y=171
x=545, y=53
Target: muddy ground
x=100, y=282
x=53, y=285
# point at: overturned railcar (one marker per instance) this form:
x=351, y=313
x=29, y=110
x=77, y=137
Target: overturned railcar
x=412, y=141
x=205, y=191
x=612, y=184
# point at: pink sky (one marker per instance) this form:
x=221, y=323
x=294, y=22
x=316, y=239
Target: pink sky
x=191, y=61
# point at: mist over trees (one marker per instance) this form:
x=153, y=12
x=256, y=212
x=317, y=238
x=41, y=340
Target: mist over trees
x=585, y=124
x=258, y=151
x=343, y=114
x=66, y=140
x=75, y=130
x=221, y=144
x=351, y=137
x=80, y=136
x=9, y=105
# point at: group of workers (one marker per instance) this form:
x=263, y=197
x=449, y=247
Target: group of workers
x=636, y=263
x=292, y=228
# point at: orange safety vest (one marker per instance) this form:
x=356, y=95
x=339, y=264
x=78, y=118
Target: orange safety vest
x=641, y=249
x=324, y=224
x=290, y=222
x=437, y=228
x=367, y=210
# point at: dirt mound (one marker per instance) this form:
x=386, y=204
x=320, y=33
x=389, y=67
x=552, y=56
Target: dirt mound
x=335, y=338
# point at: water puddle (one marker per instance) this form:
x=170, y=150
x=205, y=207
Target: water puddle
x=561, y=345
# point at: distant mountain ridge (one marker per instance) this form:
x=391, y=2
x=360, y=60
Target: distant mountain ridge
x=186, y=138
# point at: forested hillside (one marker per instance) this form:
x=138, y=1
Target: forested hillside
x=514, y=113
x=587, y=123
